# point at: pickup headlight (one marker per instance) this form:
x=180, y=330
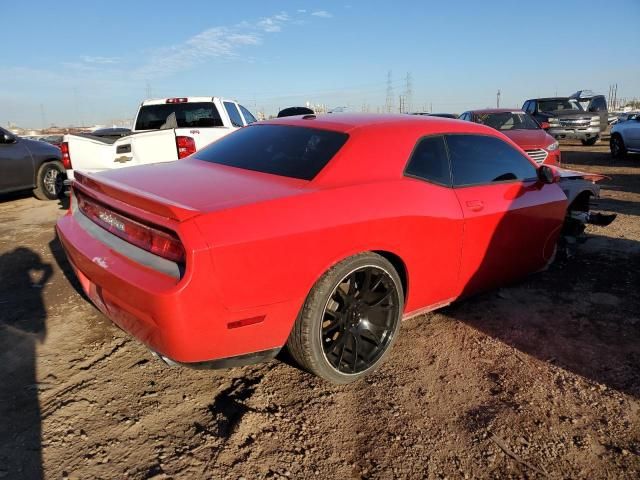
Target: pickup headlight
x=553, y=146
x=553, y=121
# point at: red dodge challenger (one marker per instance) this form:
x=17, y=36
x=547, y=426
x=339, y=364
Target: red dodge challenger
x=523, y=129
x=318, y=233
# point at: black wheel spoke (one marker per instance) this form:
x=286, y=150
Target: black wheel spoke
x=344, y=346
x=377, y=283
x=355, y=352
x=366, y=283
x=378, y=302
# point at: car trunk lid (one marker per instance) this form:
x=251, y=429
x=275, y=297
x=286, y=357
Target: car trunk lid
x=186, y=188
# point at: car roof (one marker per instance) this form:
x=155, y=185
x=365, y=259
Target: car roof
x=347, y=122
x=497, y=110
x=551, y=98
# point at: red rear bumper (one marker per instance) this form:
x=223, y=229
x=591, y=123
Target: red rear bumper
x=183, y=319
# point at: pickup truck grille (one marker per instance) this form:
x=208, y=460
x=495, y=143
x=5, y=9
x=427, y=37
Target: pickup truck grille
x=538, y=155
x=575, y=122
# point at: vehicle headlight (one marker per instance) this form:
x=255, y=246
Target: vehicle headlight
x=553, y=146
x=553, y=121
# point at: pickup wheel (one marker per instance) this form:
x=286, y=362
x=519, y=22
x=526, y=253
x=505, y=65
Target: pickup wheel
x=49, y=181
x=616, y=145
x=349, y=320
x=590, y=141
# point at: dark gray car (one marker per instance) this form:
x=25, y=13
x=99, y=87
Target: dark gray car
x=29, y=164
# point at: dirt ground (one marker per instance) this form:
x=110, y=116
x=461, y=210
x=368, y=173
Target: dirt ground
x=539, y=379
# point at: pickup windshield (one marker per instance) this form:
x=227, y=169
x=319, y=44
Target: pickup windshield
x=559, y=104
x=178, y=115
x=507, y=121
x=295, y=152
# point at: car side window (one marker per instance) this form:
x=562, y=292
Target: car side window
x=525, y=107
x=465, y=116
x=598, y=104
x=429, y=161
x=483, y=159
x=248, y=117
x=234, y=114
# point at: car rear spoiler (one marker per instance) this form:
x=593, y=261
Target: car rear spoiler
x=143, y=200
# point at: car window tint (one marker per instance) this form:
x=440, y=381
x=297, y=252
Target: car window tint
x=429, y=161
x=296, y=152
x=234, y=114
x=598, y=104
x=248, y=116
x=479, y=159
x=178, y=115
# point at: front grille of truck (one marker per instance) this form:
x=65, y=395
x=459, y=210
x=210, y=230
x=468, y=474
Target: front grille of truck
x=575, y=122
x=539, y=155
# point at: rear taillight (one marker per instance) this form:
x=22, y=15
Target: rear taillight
x=186, y=146
x=158, y=242
x=66, y=156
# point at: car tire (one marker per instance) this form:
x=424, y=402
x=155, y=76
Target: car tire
x=617, y=147
x=49, y=181
x=589, y=142
x=349, y=320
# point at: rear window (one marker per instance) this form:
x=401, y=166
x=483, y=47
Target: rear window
x=295, y=152
x=178, y=115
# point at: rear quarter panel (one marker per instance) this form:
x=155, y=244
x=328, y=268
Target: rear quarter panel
x=275, y=251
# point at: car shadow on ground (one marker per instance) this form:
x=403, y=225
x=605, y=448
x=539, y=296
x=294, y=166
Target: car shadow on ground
x=582, y=315
x=63, y=200
x=22, y=327
x=56, y=249
x=10, y=197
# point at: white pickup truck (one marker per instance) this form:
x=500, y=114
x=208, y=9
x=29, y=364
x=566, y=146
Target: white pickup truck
x=164, y=130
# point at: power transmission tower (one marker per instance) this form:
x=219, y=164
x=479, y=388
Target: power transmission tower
x=388, y=106
x=408, y=93
x=498, y=99
x=402, y=99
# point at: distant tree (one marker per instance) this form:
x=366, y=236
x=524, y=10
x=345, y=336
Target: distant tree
x=635, y=104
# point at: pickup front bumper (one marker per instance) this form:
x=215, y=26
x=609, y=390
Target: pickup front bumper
x=560, y=133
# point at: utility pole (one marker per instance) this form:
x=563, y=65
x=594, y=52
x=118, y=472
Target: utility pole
x=388, y=106
x=408, y=93
x=498, y=99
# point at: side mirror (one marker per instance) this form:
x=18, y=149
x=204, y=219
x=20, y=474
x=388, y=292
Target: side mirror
x=548, y=175
x=7, y=138
x=544, y=125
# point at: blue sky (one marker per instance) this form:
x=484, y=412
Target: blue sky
x=81, y=63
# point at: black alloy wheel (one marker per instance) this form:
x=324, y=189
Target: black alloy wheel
x=359, y=320
x=350, y=319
